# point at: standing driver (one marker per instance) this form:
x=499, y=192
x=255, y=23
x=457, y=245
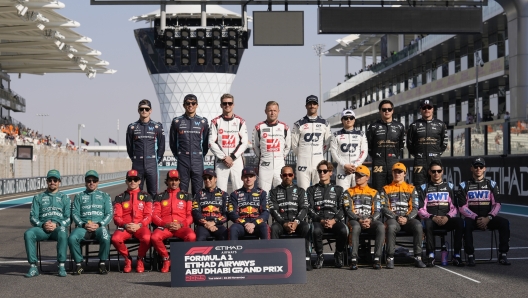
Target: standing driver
x=145, y=141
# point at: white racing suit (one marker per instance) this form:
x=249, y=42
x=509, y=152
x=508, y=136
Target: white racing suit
x=271, y=143
x=348, y=147
x=310, y=140
x=228, y=137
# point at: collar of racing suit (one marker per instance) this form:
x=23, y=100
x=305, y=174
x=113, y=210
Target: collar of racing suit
x=228, y=119
x=325, y=185
x=213, y=190
x=173, y=192
x=311, y=118
x=133, y=193
x=271, y=124
x=286, y=186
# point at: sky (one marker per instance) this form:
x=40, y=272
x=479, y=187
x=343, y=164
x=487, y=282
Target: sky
x=284, y=74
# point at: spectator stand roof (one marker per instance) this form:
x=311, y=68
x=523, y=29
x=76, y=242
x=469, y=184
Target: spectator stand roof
x=188, y=11
x=35, y=39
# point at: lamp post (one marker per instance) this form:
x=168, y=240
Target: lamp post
x=319, y=51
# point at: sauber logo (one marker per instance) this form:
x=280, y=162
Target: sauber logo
x=203, y=250
x=228, y=141
x=273, y=145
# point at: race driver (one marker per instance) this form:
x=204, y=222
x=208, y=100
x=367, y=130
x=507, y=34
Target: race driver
x=426, y=140
x=171, y=217
x=189, y=143
x=248, y=209
x=228, y=139
x=132, y=216
x=386, y=139
x=271, y=143
x=310, y=140
x=145, y=141
x=349, y=149
x=210, y=209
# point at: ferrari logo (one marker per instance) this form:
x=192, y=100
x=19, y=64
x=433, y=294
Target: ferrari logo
x=141, y=197
x=181, y=196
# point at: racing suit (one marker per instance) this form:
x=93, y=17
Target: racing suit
x=210, y=205
x=362, y=203
x=480, y=199
x=271, y=143
x=385, y=145
x=289, y=204
x=438, y=201
x=228, y=137
x=173, y=205
x=91, y=207
x=310, y=140
x=426, y=140
x=325, y=203
x=401, y=200
x=132, y=206
x=248, y=206
x=54, y=207
x=189, y=143
x=348, y=147
x=145, y=146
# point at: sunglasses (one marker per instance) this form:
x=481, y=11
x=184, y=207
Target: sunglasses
x=397, y=171
x=135, y=179
x=348, y=118
x=478, y=167
x=91, y=180
x=427, y=108
x=227, y=103
x=190, y=103
x=54, y=180
x=386, y=110
x=322, y=171
x=436, y=171
x=287, y=175
x=207, y=177
x=144, y=109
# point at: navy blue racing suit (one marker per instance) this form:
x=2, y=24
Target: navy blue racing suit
x=189, y=142
x=145, y=146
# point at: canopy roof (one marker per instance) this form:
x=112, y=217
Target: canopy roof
x=188, y=11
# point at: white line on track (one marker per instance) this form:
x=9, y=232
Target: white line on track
x=516, y=214
x=473, y=280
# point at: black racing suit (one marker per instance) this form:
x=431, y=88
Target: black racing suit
x=480, y=199
x=210, y=205
x=325, y=203
x=385, y=145
x=426, y=140
x=145, y=146
x=289, y=204
x=189, y=143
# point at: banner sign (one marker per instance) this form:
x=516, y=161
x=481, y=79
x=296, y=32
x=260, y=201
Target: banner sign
x=172, y=162
x=249, y=262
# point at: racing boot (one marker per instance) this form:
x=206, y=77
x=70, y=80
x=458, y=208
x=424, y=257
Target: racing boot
x=102, y=268
x=457, y=261
x=166, y=265
x=390, y=263
x=430, y=262
x=471, y=261
x=140, y=266
x=377, y=264
x=418, y=262
x=503, y=260
x=62, y=270
x=78, y=269
x=353, y=265
x=338, y=257
x=33, y=271
x=308, y=264
x=319, y=262
x=128, y=265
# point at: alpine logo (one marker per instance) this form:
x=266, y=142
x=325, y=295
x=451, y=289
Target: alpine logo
x=203, y=250
x=273, y=145
x=228, y=141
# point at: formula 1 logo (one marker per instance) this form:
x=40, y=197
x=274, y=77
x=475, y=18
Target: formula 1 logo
x=348, y=148
x=203, y=250
x=228, y=141
x=273, y=145
x=301, y=169
x=312, y=137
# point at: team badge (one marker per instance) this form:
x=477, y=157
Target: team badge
x=165, y=203
x=126, y=205
x=141, y=197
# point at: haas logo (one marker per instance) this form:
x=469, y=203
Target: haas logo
x=312, y=137
x=228, y=141
x=350, y=148
x=273, y=145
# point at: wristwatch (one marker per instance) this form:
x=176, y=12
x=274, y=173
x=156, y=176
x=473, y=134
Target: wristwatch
x=297, y=221
x=490, y=217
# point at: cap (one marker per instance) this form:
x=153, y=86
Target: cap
x=145, y=102
x=425, y=102
x=173, y=174
x=399, y=166
x=132, y=173
x=312, y=98
x=363, y=171
x=346, y=113
x=209, y=172
x=91, y=173
x=53, y=174
x=479, y=161
x=190, y=97
x=248, y=171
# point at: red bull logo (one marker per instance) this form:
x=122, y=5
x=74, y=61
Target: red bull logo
x=211, y=209
x=248, y=210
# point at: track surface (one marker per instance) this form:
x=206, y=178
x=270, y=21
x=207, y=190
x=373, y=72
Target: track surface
x=486, y=279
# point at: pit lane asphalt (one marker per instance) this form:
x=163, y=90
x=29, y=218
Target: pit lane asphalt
x=486, y=279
